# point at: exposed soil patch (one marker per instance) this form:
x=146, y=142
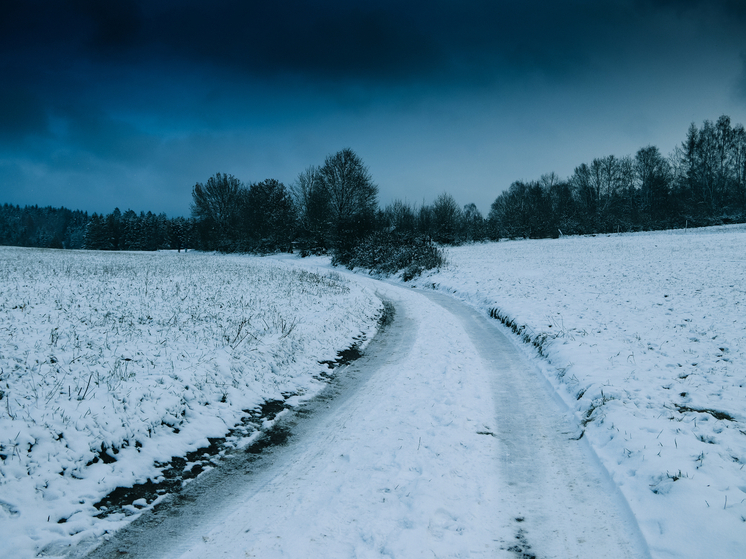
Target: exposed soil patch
x=521, y=548
x=277, y=436
x=352, y=353
x=344, y=357
x=182, y=468
x=714, y=413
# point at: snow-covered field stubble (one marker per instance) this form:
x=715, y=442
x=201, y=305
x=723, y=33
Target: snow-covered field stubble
x=113, y=362
x=644, y=335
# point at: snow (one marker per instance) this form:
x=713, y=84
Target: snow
x=395, y=472
x=644, y=336
x=451, y=445
x=141, y=357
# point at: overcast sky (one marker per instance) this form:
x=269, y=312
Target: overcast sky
x=129, y=103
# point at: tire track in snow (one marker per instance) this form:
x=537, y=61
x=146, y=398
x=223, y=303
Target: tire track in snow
x=554, y=489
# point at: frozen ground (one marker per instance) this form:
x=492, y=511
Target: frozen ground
x=445, y=441
x=644, y=336
x=113, y=362
x=442, y=450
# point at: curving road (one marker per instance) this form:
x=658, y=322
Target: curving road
x=441, y=441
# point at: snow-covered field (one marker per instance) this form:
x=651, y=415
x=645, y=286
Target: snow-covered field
x=112, y=362
x=644, y=336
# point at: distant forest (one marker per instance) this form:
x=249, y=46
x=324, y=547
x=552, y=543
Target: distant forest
x=334, y=207
x=32, y=226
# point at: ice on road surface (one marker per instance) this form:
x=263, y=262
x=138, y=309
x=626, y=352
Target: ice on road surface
x=453, y=445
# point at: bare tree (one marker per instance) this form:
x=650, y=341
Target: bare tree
x=351, y=193
x=302, y=190
x=400, y=217
x=215, y=208
x=586, y=194
x=473, y=223
x=739, y=164
x=654, y=175
x=349, y=185
x=446, y=219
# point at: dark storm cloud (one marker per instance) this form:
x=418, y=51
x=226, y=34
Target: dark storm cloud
x=729, y=8
x=21, y=113
x=104, y=137
x=114, y=25
x=386, y=41
x=329, y=39
x=432, y=43
x=116, y=89
x=420, y=41
x=39, y=24
x=316, y=40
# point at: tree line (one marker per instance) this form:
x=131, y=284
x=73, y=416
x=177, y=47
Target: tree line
x=330, y=206
x=333, y=208
x=32, y=226
x=132, y=231
x=702, y=182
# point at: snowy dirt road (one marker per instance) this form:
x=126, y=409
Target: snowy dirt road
x=442, y=441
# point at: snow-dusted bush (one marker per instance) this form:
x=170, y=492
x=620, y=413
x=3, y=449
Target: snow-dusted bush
x=388, y=253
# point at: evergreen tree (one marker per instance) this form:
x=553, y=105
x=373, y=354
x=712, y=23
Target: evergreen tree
x=96, y=234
